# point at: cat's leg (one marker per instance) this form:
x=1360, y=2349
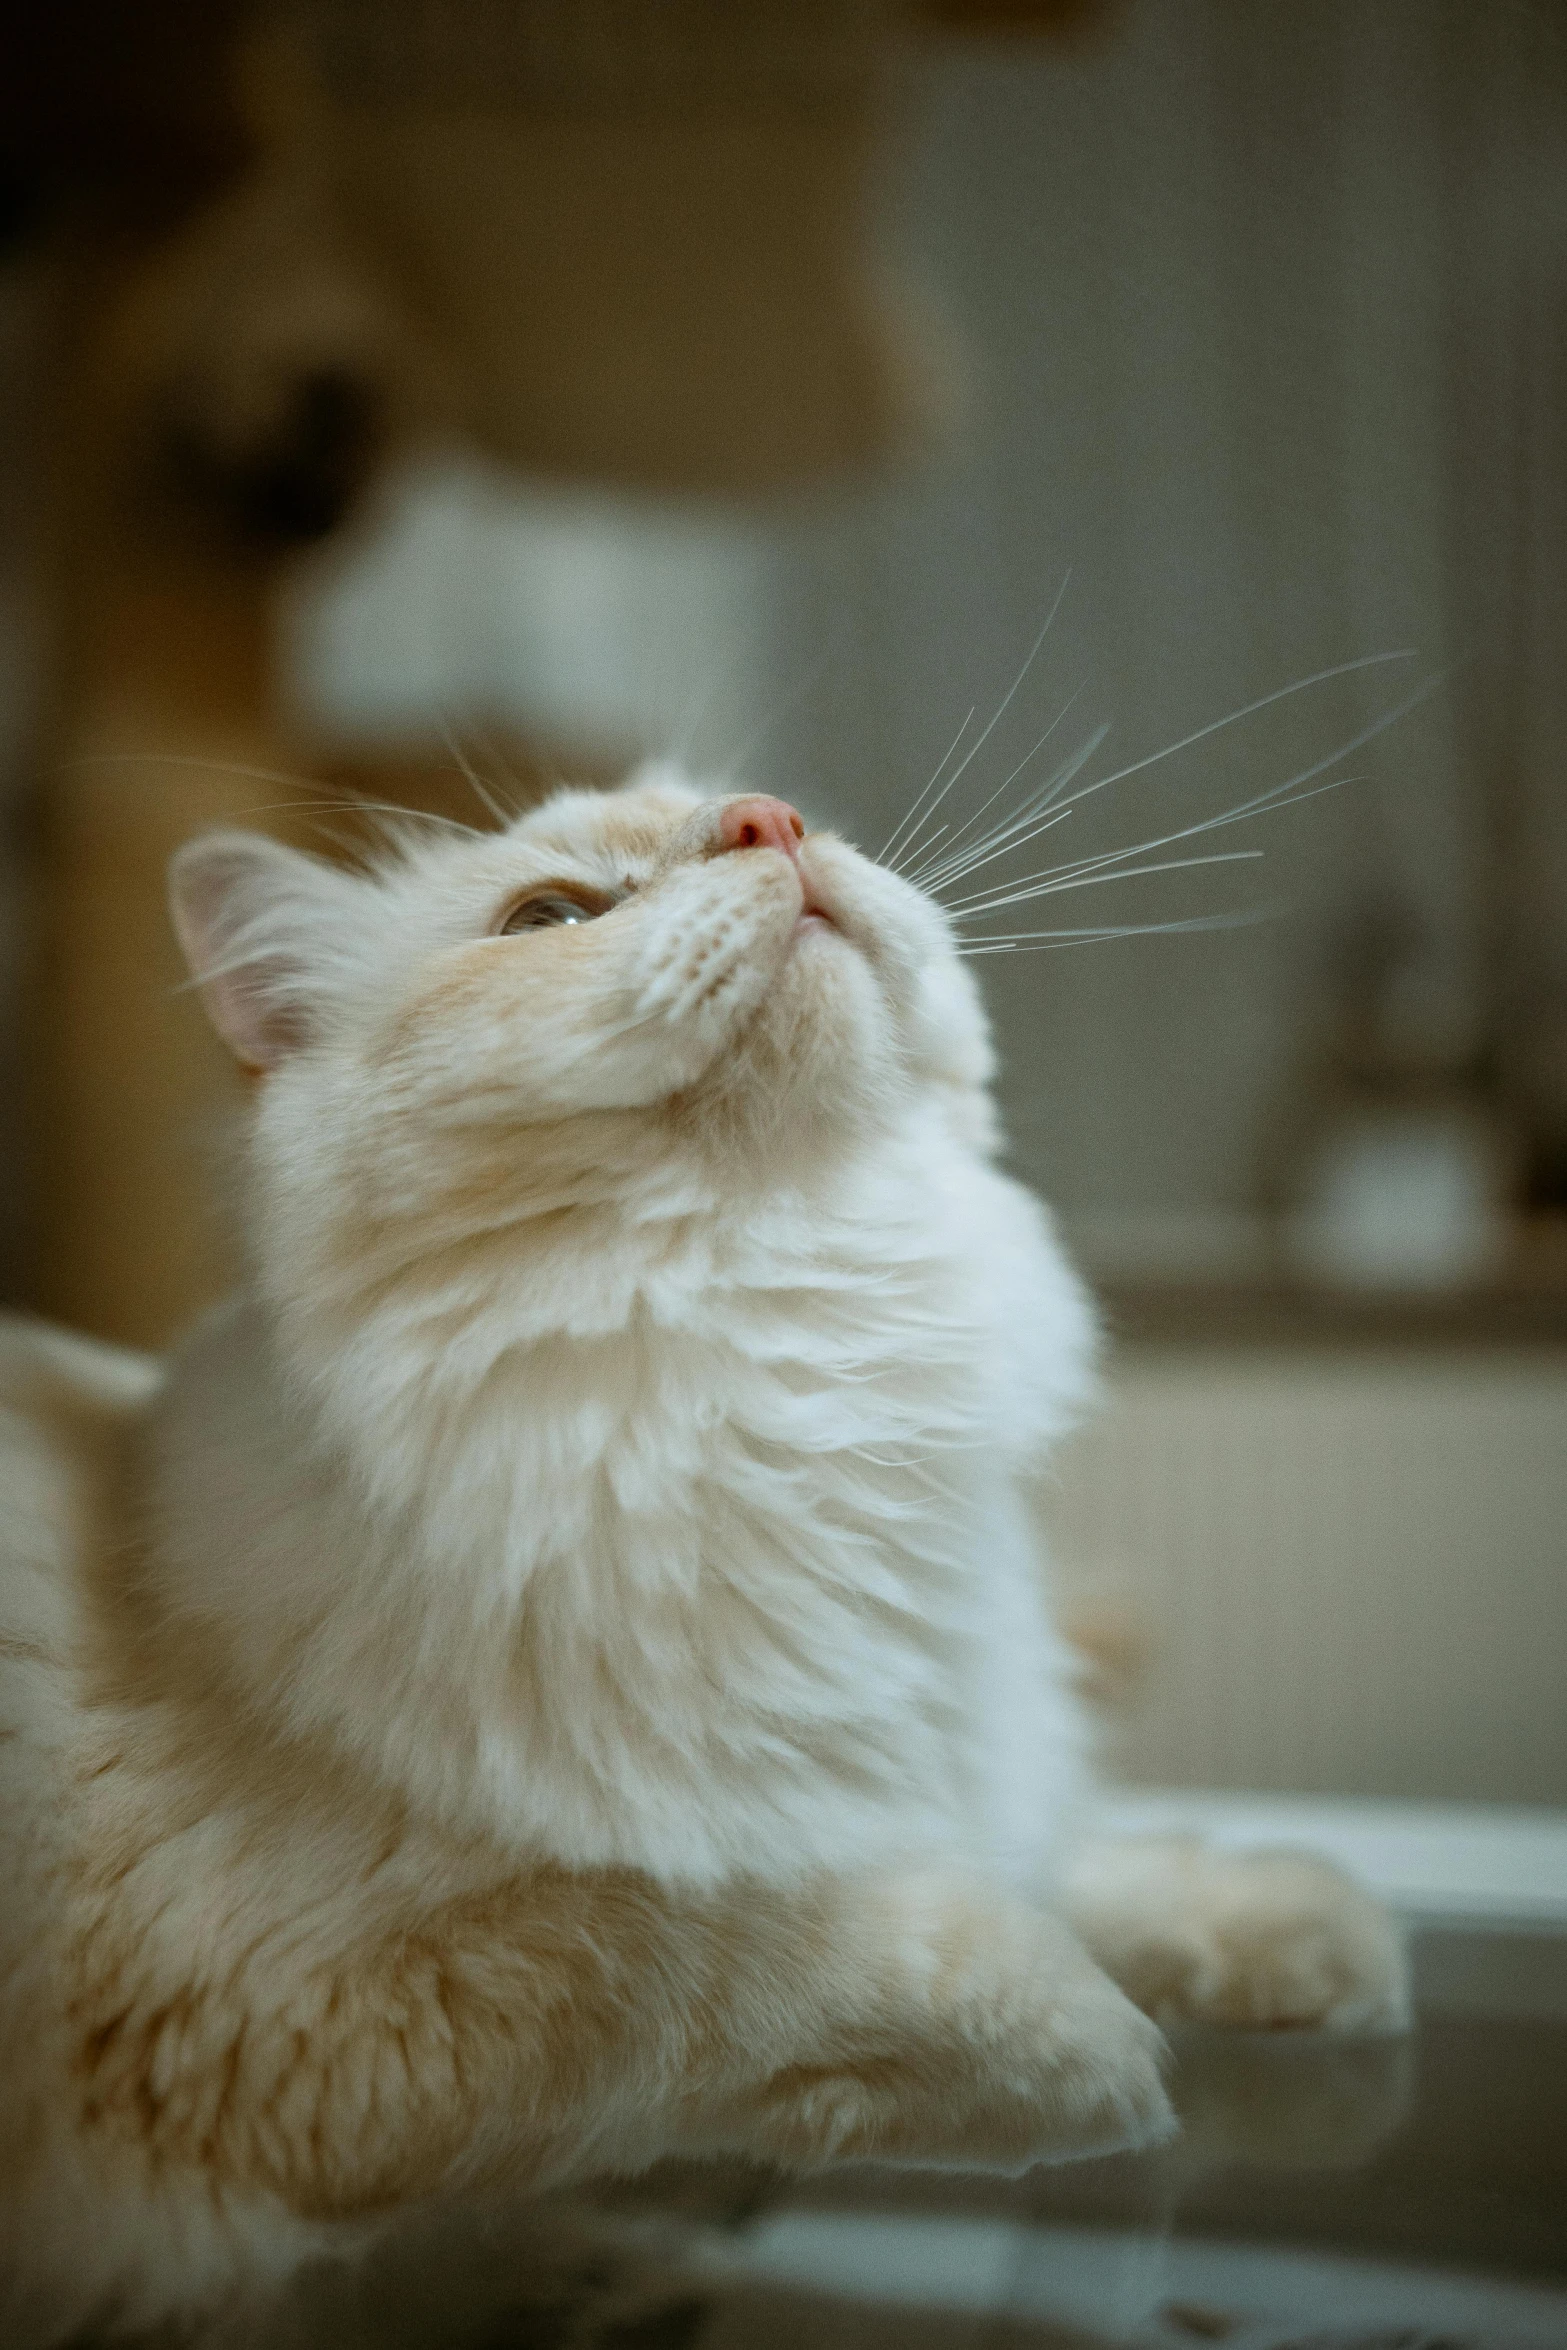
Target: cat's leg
x=563, y=2025
x=912, y=2018
x=934, y=2021
x=1268, y=1940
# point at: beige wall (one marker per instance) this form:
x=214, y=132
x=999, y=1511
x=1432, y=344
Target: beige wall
x=1350, y=1570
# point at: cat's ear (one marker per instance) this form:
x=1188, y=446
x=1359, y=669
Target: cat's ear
x=258, y=924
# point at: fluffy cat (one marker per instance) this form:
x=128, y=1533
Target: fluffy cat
x=557, y=1670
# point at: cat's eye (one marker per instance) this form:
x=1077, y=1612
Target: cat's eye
x=552, y=908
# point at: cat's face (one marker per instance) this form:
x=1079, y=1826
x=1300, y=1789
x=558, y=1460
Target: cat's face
x=699, y=966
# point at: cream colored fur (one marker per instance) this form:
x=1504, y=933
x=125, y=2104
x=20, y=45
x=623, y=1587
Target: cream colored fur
x=557, y=1670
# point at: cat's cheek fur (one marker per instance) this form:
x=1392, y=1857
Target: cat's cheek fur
x=930, y=1004
x=616, y=1014
x=817, y=1069
x=711, y=940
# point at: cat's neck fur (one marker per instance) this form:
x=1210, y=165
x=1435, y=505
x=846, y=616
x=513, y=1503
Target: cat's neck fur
x=633, y=1522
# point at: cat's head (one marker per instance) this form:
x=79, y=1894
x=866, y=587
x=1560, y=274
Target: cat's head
x=656, y=966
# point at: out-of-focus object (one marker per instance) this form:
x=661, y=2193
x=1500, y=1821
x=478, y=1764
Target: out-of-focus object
x=625, y=244
x=130, y=109
x=219, y=394
x=1067, y=18
x=1110, y=1635
x=1408, y=1192
x=212, y=395
x=638, y=234
x=1398, y=1164
x=1534, y=1059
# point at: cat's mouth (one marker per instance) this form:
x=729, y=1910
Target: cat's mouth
x=814, y=914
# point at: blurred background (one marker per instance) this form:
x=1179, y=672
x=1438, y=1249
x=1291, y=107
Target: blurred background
x=394, y=388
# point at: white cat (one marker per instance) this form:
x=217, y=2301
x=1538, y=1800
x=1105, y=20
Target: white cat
x=557, y=1670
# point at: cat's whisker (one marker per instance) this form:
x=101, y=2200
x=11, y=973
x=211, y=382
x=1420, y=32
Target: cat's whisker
x=1048, y=889
x=480, y=790
x=884, y=855
x=1266, y=701
x=1022, y=827
x=1260, y=807
x=1035, y=941
x=941, y=832
x=857, y=1452
x=1043, y=808
x=943, y=874
x=343, y=801
x=518, y=794
x=908, y=848
x=1279, y=795
x=1001, y=710
x=187, y=759
x=969, y=822
x=351, y=804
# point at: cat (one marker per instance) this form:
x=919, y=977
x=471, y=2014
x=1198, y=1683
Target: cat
x=557, y=1670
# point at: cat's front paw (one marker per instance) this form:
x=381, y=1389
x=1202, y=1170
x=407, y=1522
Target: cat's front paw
x=1093, y=2062
x=1283, y=1941
x=1015, y=2050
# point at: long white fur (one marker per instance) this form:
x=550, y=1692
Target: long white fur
x=618, y=1456
x=723, y=1453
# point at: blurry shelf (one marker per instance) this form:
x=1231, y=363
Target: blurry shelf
x=1523, y=1304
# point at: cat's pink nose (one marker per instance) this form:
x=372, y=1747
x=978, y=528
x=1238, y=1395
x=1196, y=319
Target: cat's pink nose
x=761, y=822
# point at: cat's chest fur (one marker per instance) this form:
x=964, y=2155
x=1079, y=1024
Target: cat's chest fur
x=695, y=1544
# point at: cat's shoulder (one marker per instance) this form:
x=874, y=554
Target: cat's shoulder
x=67, y=1404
